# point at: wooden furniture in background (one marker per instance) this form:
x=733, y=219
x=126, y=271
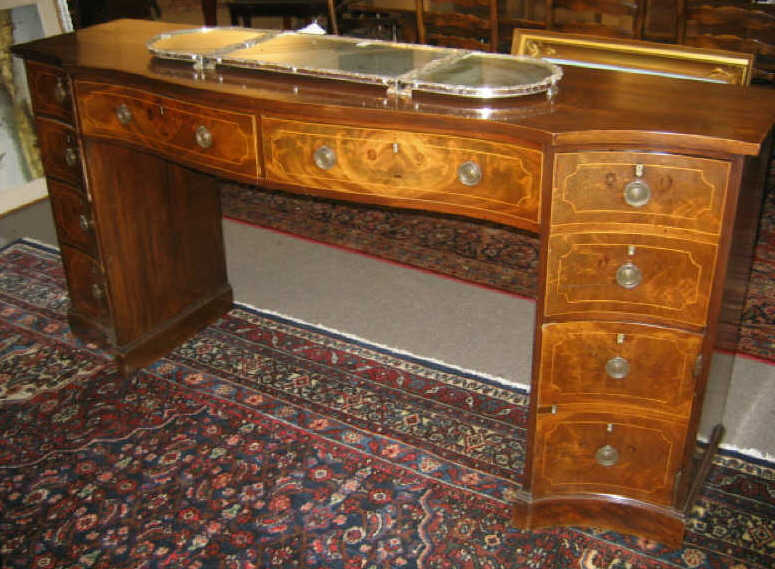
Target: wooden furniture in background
x=645, y=191
x=468, y=24
x=635, y=56
x=741, y=27
x=617, y=18
x=242, y=12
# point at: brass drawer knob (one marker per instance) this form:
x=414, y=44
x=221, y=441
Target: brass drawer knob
x=637, y=193
x=85, y=222
x=124, y=114
x=204, y=137
x=60, y=92
x=628, y=275
x=617, y=367
x=71, y=156
x=607, y=455
x=97, y=292
x=469, y=173
x=324, y=157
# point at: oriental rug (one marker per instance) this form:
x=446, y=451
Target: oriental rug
x=267, y=443
x=484, y=253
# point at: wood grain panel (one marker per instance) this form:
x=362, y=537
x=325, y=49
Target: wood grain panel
x=677, y=275
x=661, y=361
x=168, y=126
x=50, y=91
x=69, y=207
x=650, y=453
x=408, y=168
x=686, y=192
x=56, y=140
x=160, y=236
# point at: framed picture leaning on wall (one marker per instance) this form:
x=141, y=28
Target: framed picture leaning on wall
x=21, y=173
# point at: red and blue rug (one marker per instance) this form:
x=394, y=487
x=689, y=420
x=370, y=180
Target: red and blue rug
x=264, y=443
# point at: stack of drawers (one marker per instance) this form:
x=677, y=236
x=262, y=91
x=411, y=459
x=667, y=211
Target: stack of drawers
x=633, y=245
x=52, y=103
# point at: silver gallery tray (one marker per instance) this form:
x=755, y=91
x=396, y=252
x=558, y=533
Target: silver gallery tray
x=401, y=68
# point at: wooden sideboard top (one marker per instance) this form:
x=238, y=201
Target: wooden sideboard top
x=592, y=107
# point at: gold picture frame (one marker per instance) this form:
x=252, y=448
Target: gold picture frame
x=633, y=56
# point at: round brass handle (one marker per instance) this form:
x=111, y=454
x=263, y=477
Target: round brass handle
x=71, y=156
x=324, y=157
x=637, y=193
x=124, y=114
x=628, y=275
x=204, y=137
x=469, y=173
x=60, y=93
x=607, y=455
x=85, y=222
x=97, y=292
x=617, y=367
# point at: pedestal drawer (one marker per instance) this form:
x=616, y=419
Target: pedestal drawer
x=59, y=150
x=463, y=174
x=73, y=217
x=214, y=139
x=631, y=456
x=50, y=91
x=86, y=285
x=655, y=189
x=615, y=363
x=630, y=275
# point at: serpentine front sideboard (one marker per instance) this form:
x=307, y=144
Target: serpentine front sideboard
x=645, y=192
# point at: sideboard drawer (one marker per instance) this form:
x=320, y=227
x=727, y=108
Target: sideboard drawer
x=73, y=216
x=59, y=150
x=410, y=167
x=616, y=364
x=86, y=285
x=629, y=275
x=656, y=189
x=633, y=456
x=50, y=91
x=215, y=139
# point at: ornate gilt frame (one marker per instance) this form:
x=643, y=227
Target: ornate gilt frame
x=634, y=56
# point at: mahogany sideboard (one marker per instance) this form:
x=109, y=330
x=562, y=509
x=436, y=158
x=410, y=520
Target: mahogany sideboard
x=645, y=192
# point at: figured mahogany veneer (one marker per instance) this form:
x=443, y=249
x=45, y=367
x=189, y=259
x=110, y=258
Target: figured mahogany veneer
x=415, y=168
x=656, y=376
x=169, y=126
x=73, y=216
x=50, y=91
x=644, y=190
x=677, y=276
x=686, y=192
x=59, y=150
x=649, y=452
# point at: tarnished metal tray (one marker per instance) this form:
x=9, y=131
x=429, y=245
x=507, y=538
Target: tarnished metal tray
x=401, y=68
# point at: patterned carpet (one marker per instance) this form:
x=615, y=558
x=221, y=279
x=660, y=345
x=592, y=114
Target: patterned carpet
x=264, y=443
x=484, y=253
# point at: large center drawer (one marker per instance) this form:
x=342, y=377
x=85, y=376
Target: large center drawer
x=492, y=180
x=219, y=140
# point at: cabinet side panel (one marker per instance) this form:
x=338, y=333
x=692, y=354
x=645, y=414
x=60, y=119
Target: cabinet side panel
x=161, y=239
